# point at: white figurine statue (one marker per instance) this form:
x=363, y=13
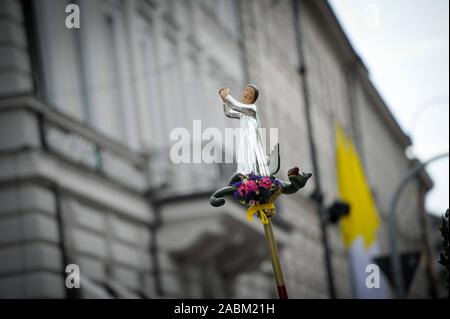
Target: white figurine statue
x=251, y=157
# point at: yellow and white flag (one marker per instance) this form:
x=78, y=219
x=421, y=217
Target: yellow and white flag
x=359, y=228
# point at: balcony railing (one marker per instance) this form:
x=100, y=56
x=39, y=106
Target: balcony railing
x=146, y=172
x=78, y=144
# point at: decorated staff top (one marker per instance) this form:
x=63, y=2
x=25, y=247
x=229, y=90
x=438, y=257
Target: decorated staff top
x=254, y=184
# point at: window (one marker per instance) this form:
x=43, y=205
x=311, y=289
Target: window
x=86, y=70
x=194, y=90
x=113, y=61
x=226, y=13
x=229, y=16
x=173, y=85
x=147, y=80
x=114, y=91
x=62, y=59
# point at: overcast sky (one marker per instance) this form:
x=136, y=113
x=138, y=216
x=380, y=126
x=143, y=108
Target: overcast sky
x=405, y=45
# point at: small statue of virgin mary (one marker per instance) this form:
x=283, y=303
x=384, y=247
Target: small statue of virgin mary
x=251, y=157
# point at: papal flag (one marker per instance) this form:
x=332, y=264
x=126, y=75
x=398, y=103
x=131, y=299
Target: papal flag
x=359, y=228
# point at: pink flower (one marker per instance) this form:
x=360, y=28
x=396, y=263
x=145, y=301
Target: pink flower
x=250, y=186
x=252, y=203
x=265, y=182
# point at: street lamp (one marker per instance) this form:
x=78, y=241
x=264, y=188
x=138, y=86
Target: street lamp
x=395, y=257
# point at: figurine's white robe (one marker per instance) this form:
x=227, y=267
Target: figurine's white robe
x=250, y=157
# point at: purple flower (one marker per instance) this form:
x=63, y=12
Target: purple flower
x=236, y=184
x=239, y=192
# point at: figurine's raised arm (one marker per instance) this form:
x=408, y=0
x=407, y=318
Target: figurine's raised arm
x=233, y=108
x=247, y=109
x=229, y=112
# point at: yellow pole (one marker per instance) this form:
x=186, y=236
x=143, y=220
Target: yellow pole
x=276, y=265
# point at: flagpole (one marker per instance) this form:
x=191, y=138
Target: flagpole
x=276, y=265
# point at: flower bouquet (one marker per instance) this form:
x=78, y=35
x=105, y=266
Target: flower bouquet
x=257, y=193
x=254, y=190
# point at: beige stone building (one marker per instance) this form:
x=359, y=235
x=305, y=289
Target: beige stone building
x=85, y=173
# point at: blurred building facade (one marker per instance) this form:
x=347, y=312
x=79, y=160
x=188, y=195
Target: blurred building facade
x=85, y=173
